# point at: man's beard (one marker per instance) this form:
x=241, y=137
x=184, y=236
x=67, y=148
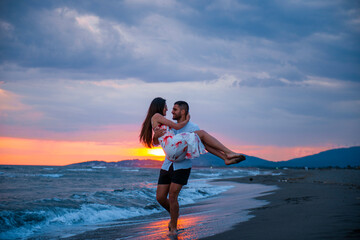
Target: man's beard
x=176, y=117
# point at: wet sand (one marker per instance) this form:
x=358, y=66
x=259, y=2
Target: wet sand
x=314, y=204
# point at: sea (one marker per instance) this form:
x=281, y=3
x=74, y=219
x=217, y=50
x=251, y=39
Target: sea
x=45, y=202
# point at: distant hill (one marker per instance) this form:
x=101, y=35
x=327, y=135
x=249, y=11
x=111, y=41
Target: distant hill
x=208, y=160
x=342, y=157
x=124, y=163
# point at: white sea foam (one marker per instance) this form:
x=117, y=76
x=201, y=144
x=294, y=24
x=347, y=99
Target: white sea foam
x=80, y=170
x=277, y=174
x=50, y=175
x=130, y=170
x=200, y=189
x=208, y=175
x=94, y=213
x=19, y=175
x=87, y=214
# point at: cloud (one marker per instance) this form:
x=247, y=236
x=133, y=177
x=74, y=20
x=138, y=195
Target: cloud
x=185, y=41
x=14, y=112
x=270, y=73
x=227, y=5
x=155, y=3
x=316, y=111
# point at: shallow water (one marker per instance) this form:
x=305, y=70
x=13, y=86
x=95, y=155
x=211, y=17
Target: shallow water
x=38, y=200
x=202, y=219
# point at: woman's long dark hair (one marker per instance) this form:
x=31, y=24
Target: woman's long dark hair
x=157, y=106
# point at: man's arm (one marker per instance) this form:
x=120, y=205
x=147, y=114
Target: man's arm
x=158, y=133
x=193, y=127
x=160, y=119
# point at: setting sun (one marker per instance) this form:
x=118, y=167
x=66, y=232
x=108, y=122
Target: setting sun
x=148, y=153
x=20, y=151
x=159, y=152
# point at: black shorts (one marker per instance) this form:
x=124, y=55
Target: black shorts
x=180, y=176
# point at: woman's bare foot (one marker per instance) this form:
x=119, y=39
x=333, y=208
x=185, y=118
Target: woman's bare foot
x=235, y=160
x=233, y=155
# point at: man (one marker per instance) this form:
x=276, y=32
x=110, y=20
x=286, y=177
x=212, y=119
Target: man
x=174, y=175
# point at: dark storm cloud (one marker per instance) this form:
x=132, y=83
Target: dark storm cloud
x=184, y=41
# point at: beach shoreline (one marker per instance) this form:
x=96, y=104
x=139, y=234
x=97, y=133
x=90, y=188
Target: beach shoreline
x=313, y=204
x=276, y=204
x=204, y=218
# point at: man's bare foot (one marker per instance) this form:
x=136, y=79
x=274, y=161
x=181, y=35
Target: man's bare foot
x=173, y=233
x=235, y=160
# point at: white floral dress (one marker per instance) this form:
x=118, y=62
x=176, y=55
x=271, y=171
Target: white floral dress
x=178, y=147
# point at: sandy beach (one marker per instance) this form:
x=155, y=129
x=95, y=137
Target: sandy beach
x=314, y=204
x=295, y=204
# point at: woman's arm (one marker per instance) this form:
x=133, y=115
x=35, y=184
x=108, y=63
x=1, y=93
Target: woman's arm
x=158, y=133
x=160, y=119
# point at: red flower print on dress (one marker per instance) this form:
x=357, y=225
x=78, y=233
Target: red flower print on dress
x=178, y=143
x=175, y=145
x=166, y=139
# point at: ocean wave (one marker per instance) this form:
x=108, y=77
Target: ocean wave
x=20, y=175
x=200, y=189
x=24, y=224
x=94, y=208
x=130, y=170
x=48, y=168
x=208, y=175
x=94, y=196
x=51, y=175
x=222, y=173
x=277, y=173
x=80, y=170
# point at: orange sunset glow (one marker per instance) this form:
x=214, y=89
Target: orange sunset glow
x=18, y=151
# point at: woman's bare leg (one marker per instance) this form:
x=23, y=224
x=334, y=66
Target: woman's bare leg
x=215, y=152
x=222, y=155
x=214, y=143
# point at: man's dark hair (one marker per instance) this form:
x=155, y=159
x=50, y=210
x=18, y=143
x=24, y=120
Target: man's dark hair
x=183, y=106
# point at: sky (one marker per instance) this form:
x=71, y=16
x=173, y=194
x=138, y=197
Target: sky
x=273, y=79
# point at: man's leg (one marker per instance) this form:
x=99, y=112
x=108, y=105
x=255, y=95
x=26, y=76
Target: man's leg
x=174, y=205
x=162, y=192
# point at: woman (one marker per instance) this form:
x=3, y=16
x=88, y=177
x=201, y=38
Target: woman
x=185, y=145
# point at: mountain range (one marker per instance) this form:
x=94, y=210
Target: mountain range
x=341, y=157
